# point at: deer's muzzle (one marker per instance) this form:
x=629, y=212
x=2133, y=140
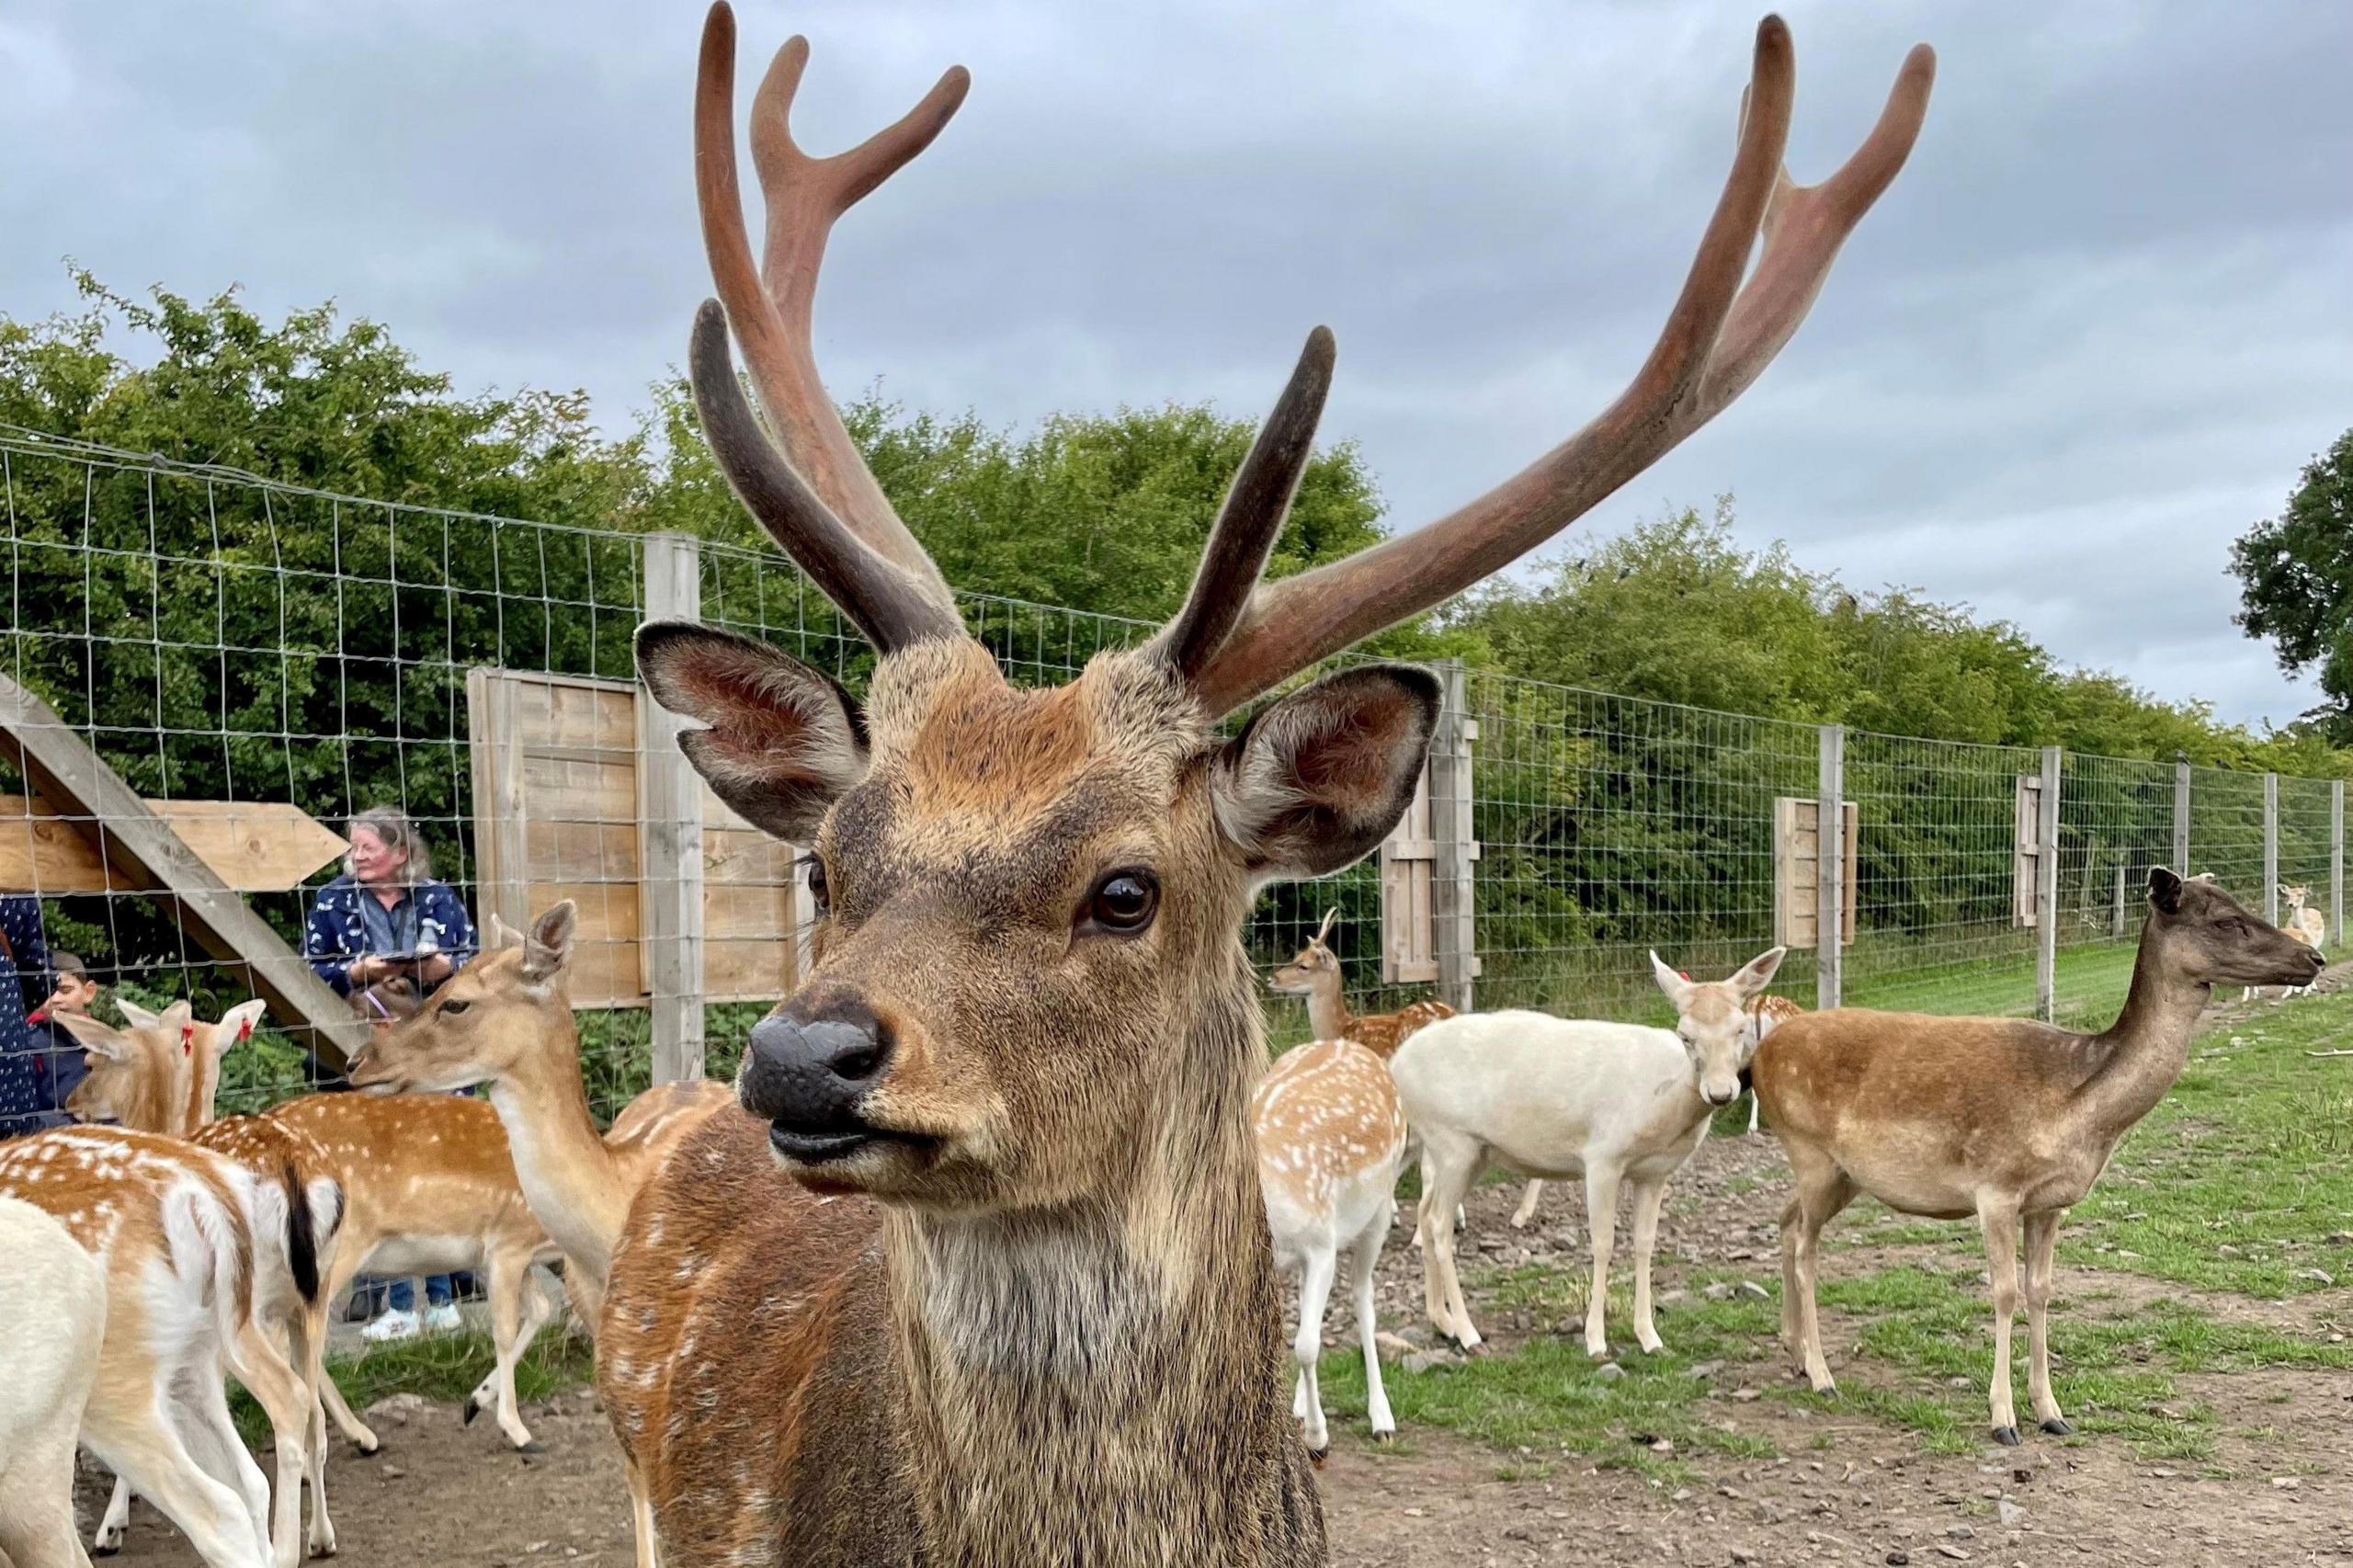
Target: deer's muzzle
x=806, y=1077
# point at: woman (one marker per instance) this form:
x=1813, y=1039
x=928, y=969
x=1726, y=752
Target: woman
x=386, y=917
x=24, y=975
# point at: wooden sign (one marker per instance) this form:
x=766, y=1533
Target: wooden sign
x=1797, y=871
x=252, y=845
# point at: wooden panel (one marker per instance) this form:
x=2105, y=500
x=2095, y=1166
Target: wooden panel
x=252, y=845
x=558, y=814
x=1408, y=859
x=140, y=849
x=2026, y=852
x=1797, y=858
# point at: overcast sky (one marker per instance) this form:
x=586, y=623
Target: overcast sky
x=2094, y=331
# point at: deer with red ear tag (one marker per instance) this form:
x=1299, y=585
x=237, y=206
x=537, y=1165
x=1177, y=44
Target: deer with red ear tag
x=985, y=1277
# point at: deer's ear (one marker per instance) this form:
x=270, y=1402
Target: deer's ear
x=1317, y=779
x=1758, y=972
x=237, y=1025
x=136, y=1016
x=783, y=741
x=2164, y=888
x=1670, y=980
x=97, y=1038
x=550, y=943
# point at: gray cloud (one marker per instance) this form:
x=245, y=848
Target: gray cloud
x=2090, y=336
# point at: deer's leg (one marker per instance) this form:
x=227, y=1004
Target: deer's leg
x=279, y=1390
x=1755, y=1105
x=1527, y=1201
x=210, y=1435
x=1648, y=1198
x=143, y=1446
x=1453, y=1162
x=306, y=1349
x=115, y=1523
x=537, y=1309
x=332, y=1289
x=1362, y=1259
x=1307, y=1346
x=37, y=1504
x=1601, y=1220
x=2041, y=1244
x=1823, y=1190
x=508, y=1268
x=2000, y=1224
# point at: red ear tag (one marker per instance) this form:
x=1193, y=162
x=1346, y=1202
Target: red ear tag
x=188, y=1040
x=245, y=1031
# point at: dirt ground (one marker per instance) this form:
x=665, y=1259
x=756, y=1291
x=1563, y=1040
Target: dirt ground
x=1850, y=1490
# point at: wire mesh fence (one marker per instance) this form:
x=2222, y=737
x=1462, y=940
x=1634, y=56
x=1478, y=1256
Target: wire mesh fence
x=262, y=662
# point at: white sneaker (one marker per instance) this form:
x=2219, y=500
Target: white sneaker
x=442, y=1318
x=391, y=1325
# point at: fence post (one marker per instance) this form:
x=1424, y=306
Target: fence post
x=1830, y=873
x=669, y=805
x=2271, y=847
x=1454, y=938
x=2181, y=817
x=2046, y=892
x=2337, y=860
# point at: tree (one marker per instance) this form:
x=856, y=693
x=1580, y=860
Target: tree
x=2295, y=575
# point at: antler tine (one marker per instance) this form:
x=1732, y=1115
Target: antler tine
x=889, y=605
x=772, y=318
x=1717, y=339
x=1252, y=515
x=1329, y=916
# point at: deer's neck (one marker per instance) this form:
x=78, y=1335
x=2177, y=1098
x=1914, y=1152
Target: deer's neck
x=1327, y=1011
x=2145, y=1048
x=567, y=1174
x=1103, y=1383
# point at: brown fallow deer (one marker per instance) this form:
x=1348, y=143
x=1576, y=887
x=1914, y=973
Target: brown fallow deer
x=428, y=1188
x=988, y=1280
x=2005, y=1120
x=1314, y=973
x=161, y=1076
x=175, y=1230
x=1330, y=1136
x=53, y=1295
x=1765, y=1015
x=506, y=1022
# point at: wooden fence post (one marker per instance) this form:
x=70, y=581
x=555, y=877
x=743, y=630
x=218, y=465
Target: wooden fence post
x=2046, y=892
x=2271, y=847
x=2337, y=860
x=2181, y=817
x=669, y=827
x=1829, y=868
x=1453, y=894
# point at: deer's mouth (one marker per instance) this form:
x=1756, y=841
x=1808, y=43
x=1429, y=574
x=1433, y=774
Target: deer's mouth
x=837, y=1143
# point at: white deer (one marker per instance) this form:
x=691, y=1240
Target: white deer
x=1547, y=1096
x=52, y=1283
x=2304, y=923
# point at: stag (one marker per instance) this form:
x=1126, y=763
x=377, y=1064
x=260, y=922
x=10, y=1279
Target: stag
x=984, y=1276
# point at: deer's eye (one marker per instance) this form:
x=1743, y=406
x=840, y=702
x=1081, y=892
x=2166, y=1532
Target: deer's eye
x=1123, y=902
x=451, y=1009
x=818, y=894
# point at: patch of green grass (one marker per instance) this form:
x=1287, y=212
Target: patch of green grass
x=443, y=1368
x=1548, y=1399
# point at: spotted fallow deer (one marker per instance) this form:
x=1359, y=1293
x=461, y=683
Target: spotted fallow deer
x=1330, y=1136
x=160, y=1076
x=988, y=1280
x=2005, y=1120
x=172, y=1228
x=1764, y=1014
x=1314, y=973
x=427, y=1182
x=53, y=1295
x=505, y=1021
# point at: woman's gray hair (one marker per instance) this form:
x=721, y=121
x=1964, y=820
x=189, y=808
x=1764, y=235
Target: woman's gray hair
x=391, y=825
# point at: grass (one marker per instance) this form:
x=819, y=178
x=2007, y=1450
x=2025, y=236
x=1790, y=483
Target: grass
x=443, y=1368
x=2239, y=1183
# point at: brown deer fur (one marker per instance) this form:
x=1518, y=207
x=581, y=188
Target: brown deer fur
x=2007, y=1120
x=995, y=1286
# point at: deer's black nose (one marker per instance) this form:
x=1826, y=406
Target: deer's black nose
x=805, y=1074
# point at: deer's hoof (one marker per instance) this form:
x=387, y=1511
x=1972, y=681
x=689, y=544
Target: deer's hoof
x=2059, y=1426
x=1317, y=1456
x=106, y=1548
x=530, y=1446
x=368, y=1446
x=1384, y=1436
x=2007, y=1436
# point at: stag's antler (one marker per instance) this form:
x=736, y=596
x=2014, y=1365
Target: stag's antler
x=851, y=528
x=1717, y=339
